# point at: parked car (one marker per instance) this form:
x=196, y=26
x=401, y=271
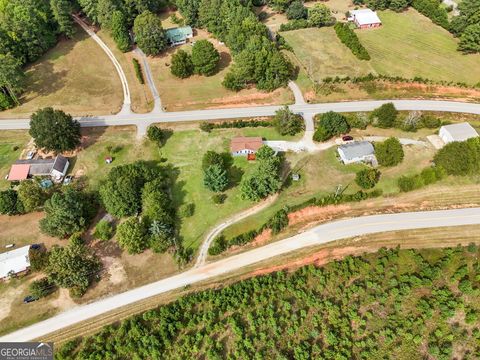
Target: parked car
x=67, y=180
x=35, y=246
x=29, y=299
x=31, y=154
x=347, y=138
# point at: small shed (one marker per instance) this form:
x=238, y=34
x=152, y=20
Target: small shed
x=243, y=146
x=457, y=132
x=365, y=18
x=14, y=262
x=59, y=168
x=355, y=152
x=178, y=36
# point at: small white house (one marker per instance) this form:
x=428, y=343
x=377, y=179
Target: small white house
x=457, y=132
x=14, y=262
x=358, y=151
x=365, y=18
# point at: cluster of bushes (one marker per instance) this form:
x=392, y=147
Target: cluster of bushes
x=138, y=71
x=238, y=124
x=142, y=188
x=280, y=220
x=387, y=116
x=157, y=135
x=460, y=158
x=329, y=125
x=234, y=23
x=288, y=123
x=428, y=176
x=215, y=168
x=348, y=37
x=203, y=60
x=367, y=178
x=300, y=17
x=395, y=5
x=389, y=152
x=265, y=179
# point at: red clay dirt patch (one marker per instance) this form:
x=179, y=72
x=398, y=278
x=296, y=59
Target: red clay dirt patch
x=317, y=213
x=319, y=258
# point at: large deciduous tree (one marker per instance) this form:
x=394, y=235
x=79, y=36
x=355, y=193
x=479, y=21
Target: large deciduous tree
x=287, y=122
x=132, y=235
x=329, y=125
x=53, y=130
x=389, y=152
x=67, y=212
x=319, y=15
x=149, y=33
x=73, y=267
x=32, y=195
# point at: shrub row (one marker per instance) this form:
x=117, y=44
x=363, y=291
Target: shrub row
x=397, y=79
x=138, y=71
x=280, y=220
x=295, y=24
x=348, y=37
x=209, y=126
x=428, y=176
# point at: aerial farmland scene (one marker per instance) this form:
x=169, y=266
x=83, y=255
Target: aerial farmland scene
x=239, y=179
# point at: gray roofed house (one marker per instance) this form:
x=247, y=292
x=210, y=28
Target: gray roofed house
x=56, y=168
x=457, y=132
x=178, y=36
x=358, y=151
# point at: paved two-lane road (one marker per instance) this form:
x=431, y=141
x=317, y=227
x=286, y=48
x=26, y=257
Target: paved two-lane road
x=318, y=235
x=142, y=121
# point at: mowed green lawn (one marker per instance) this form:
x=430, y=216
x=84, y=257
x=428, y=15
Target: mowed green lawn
x=323, y=55
x=12, y=142
x=184, y=150
x=408, y=44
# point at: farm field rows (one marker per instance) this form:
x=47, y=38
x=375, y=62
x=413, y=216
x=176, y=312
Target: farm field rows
x=406, y=45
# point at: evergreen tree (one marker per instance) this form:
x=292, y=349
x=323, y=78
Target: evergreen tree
x=205, y=57
x=182, y=65
x=119, y=29
x=62, y=10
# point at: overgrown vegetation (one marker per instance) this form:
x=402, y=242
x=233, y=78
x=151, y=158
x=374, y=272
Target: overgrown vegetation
x=209, y=126
x=288, y=123
x=389, y=152
x=401, y=302
x=460, y=158
x=330, y=124
x=428, y=176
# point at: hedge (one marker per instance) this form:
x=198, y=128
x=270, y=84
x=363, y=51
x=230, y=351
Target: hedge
x=138, y=71
x=209, y=126
x=348, y=37
x=428, y=176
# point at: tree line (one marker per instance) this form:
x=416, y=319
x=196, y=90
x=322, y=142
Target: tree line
x=388, y=304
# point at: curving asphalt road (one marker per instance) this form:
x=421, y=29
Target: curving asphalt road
x=321, y=234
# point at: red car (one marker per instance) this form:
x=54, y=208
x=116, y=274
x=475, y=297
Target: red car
x=347, y=138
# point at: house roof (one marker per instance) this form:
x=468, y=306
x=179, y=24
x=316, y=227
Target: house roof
x=357, y=149
x=246, y=143
x=460, y=132
x=365, y=16
x=178, y=34
x=18, y=172
x=16, y=260
x=60, y=163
